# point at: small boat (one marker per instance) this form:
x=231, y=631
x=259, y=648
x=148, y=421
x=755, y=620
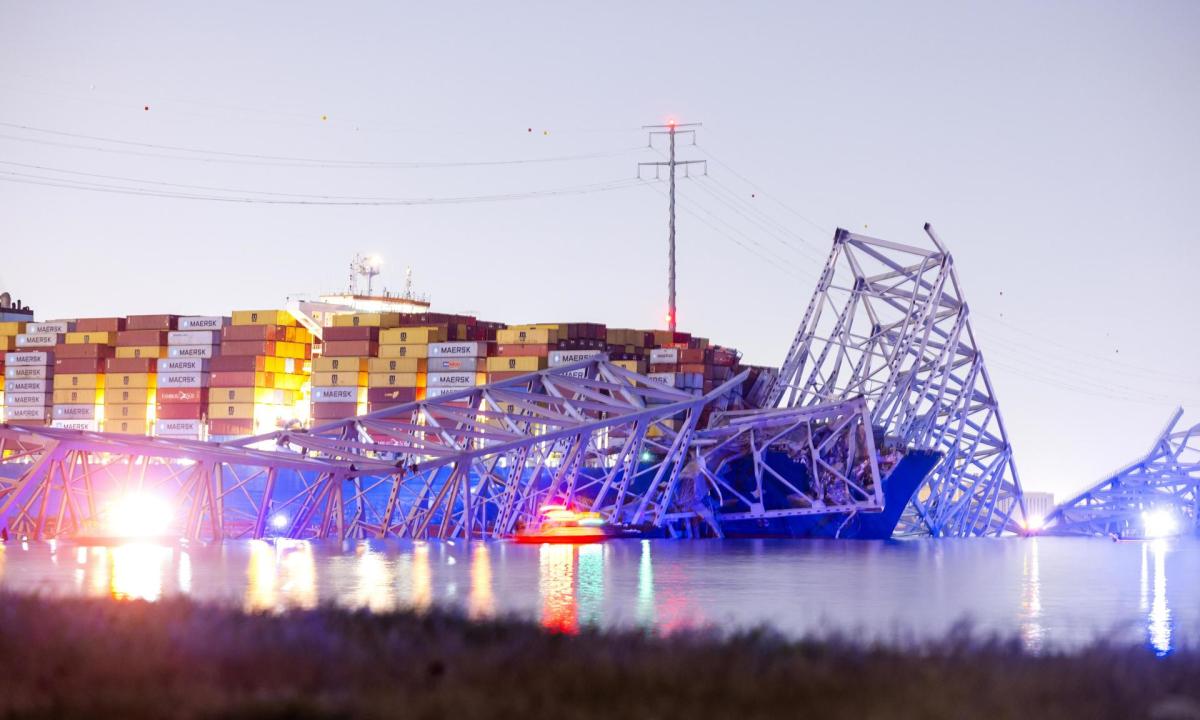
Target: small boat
x=560, y=524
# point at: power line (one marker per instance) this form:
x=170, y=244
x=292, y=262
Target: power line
x=205, y=155
x=67, y=183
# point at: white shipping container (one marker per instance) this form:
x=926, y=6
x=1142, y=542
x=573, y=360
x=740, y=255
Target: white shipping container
x=37, y=340
x=455, y=379
x=580, y=373
x=664, y=356
x=74, y=412
x=166, y=365
x=208, y=322
x=558, y=358
x=14, y=399
x=194, y=337
x=674, y=380
x=81, y=425
x=183, y=380
x=193, y=351
x=33, y=357
x=458, y=349
x=444, y=364
x=16, y=386
x=177, y=427
x=28, y=372
x=335, y=394
x=435, y=392
x=58, y=327
x=26, y=412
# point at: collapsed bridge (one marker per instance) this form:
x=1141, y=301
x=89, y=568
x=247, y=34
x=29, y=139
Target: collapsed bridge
x=884, y=354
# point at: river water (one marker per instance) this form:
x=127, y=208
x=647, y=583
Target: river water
x=1048, y=592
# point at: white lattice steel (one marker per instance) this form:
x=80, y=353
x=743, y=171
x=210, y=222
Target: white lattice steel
x=889, y=322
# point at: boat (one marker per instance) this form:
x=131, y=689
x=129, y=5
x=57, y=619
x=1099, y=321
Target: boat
x=560, y=524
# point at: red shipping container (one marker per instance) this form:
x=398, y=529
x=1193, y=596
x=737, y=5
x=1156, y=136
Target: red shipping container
x=248, y=347
x=131, y=365
x=223, y=426
x=181, y=411
x=524, y=350
x=391, y=395
x=333, y=411
x=171, y=396
x=100, y=325
x=142, y=337
x=241, y=379
x=350, y=348
x=253, y=332
x=339, y=334
x=78, y=365
x=238, y=363
x=151, y=322
x=90, y=350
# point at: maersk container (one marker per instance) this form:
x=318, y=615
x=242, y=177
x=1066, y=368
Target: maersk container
x=436, y=392
x=458, y=349
x=27, y=372
x=346, y=394
x=188, y=428
x=75, y=412
x=16, y=386
x=37, y=340
x=24, y=399
x=182, y=365
x=558, y=358
x=79, y=425
x=29, y=358
x=27, y=412
x=664, y=356
x=451, y=379
x=193, y=351
x=206, y=322
x=182, y=380
x=58, y=327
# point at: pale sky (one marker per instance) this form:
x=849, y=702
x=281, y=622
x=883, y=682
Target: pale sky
x=1053, y=146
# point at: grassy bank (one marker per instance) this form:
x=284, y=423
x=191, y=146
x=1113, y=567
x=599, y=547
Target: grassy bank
x=75, y=658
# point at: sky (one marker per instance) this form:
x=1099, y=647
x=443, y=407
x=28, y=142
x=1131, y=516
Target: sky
x=1053, y=147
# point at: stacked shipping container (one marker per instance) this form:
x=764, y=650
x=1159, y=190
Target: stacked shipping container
x=184, y=377
x=9, y=330
x=80, y=376
x=30, y=401
x=258, y=382
x=400, y=373
x=131, y=395
x=339, y=381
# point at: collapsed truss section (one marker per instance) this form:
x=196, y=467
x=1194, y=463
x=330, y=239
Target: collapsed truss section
x=889, y=322
x=1166, y=480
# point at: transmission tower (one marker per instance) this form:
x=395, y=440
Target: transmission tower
x=671, y=129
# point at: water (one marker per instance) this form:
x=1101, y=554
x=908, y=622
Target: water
x=1049, y=592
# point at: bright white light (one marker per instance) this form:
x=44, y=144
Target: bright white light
x=1035, y=522
x=279, y=521
x=1159, y=523
x=139, y=515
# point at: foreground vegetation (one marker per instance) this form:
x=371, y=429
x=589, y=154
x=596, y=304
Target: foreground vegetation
x=79, y=658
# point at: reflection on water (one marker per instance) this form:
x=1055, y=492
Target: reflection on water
x=279, y=574
x=1044, y=591
x=1159, y=625
x=374, y=580
x=556, y=587
x=481, y=603
x=1032, y=631
x=136, y=571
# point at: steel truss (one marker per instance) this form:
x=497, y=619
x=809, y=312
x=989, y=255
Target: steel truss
x=889, y=322
x=476, y=463
x=1167, y=478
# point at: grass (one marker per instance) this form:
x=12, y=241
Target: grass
x=89, y=658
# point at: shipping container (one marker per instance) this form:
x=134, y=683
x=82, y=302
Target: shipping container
x=208, y=322
x=183, y=365
x=345, y=394
x=412, y=336
x=343, y=378
x=263, y=317
x=333, y=364
x=59, y=327
x=512, y=364
x=376, y=320
x=139, y=351
x=194, y=337
x=404, y=351
x=442, y=364
x=459, y=349
x=193, y=351
x=412, y=380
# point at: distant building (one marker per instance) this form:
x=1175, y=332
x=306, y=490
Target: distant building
x=1038, y=505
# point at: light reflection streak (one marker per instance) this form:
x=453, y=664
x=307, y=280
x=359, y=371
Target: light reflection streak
x=260, y=576
x=645, y=599
x=591, y=583
x=185, y=573
x=374, y=580
x=481, y=603
x=556, y=565
x=1032, y=631
x=295, y=558
x=1159, y=619
x=422, y=578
